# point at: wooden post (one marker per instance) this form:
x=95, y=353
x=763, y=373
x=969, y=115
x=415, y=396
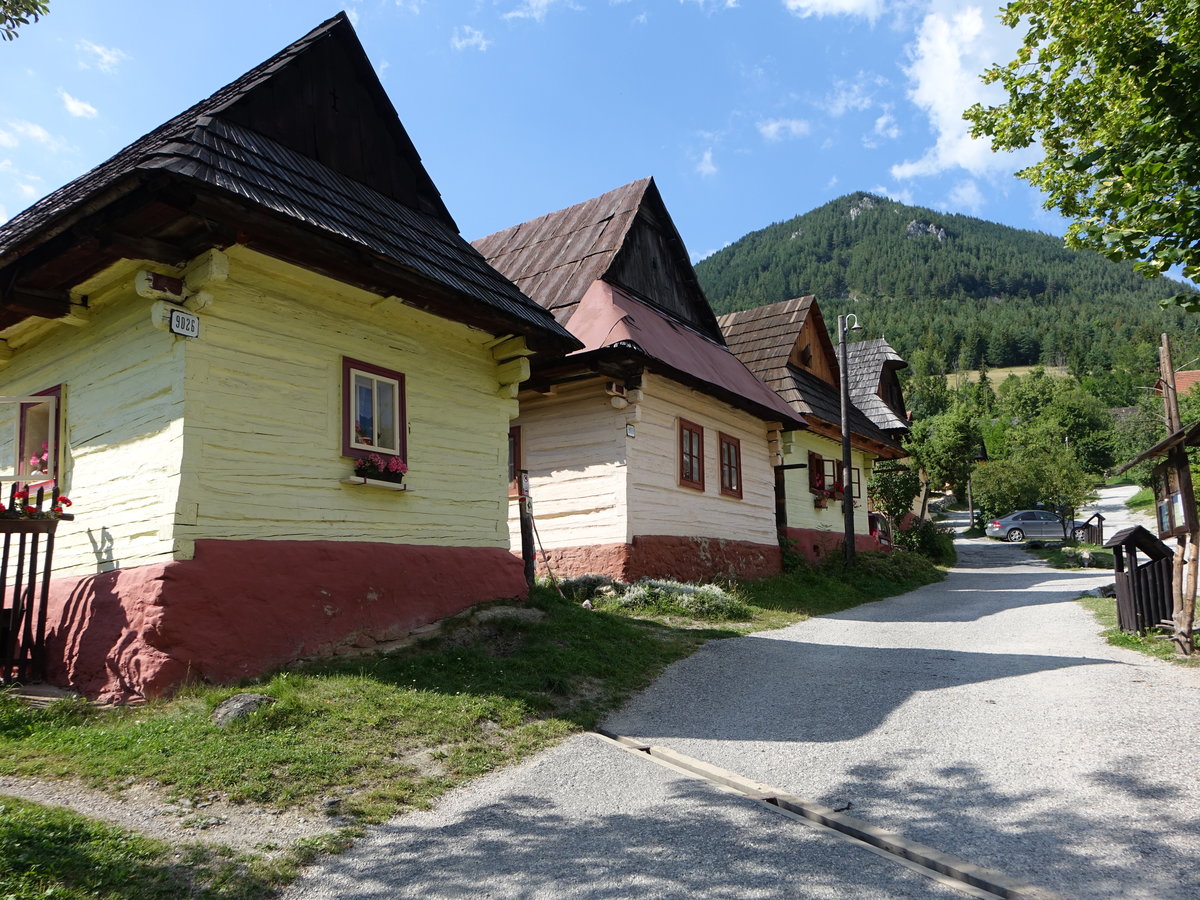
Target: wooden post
x=1183, y=598
x=525, y=511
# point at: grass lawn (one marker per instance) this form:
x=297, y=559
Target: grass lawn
x=380, y=734
x=1105, y=611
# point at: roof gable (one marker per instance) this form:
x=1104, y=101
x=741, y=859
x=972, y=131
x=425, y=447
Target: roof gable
x=625, y=237
x=875, y=384
x=791, y=333
x=302, y=158
x=349, y=124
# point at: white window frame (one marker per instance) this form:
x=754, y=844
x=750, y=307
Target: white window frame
x=20, y=463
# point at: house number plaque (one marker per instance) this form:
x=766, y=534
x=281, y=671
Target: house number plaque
x=185, y=323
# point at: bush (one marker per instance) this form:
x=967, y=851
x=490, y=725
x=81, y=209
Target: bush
x=698, y=601
x=932, y=541
x=586, y=587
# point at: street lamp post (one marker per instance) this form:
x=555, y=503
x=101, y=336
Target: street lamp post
x=847, y=487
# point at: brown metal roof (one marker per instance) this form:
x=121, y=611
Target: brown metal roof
x=608, y=317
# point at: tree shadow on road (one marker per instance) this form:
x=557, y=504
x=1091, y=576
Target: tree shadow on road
x=1142, y=845
x=605, y=824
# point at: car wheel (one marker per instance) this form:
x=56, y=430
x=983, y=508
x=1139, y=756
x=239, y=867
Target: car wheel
x=1014, y=535
x=1080, y=534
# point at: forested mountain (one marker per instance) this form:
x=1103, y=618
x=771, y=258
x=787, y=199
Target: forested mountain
x=966, y=290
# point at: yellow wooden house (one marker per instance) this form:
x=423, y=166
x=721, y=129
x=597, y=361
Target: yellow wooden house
x=232, y=340
x=651, y=452
x=787, y=345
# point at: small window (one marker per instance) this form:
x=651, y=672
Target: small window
x=731, y=465
x=833, y=477
x=31, y=443
x=816, y=472
x=372, y=410
x=691, y=455
x=515, y=460
x=856, y=483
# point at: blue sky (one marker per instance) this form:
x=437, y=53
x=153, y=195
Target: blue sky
x=746, y=112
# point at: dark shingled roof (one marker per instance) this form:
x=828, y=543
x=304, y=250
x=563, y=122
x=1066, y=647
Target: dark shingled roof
x=555, y=258
x=868, y=361
x=764, y=337
x=267, y=141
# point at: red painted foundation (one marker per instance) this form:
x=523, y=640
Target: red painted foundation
x=243, y=608
x=666, y=556
x=816, y=545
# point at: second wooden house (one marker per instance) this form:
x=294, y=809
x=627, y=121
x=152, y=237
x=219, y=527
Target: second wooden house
x=651, y=451
x=788, y=346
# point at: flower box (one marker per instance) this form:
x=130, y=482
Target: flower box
x=375, y=482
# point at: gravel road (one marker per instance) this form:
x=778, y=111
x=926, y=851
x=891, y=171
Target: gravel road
x=982, y=716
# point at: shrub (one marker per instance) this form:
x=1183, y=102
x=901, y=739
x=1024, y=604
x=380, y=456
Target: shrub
x=586, y=587
x=699, y=601
x=932, y=541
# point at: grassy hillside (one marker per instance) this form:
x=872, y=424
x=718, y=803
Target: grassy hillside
x=969, y=290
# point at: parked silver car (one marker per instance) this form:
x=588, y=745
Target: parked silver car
x=1032, y=523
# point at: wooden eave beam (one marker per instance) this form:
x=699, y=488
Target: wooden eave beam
x=30, y=301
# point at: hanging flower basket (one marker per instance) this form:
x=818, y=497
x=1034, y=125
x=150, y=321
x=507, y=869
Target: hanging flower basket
x=23, y=515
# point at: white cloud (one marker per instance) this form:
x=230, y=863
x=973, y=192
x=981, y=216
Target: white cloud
x=467, y=38
x=28, y=191
x=904, y=196
x=853, y=96
x=869, y=9
x=831, y=183
x=6, y=140
x=966, y=196
x=536, y=9
x=78, y=108
x=412, y=6
x=886, y=127
x=950, y=51
x=775, y=130
x=34, y=132
x=3, y=213
x=706, y=167
x=707, y=5
x=353, y=16
x=103, y=58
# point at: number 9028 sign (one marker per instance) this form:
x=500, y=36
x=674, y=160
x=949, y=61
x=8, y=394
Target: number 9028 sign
x=185, y=323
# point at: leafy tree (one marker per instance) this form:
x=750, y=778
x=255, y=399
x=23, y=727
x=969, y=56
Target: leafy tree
x=945, y=446
x=15, y=13
x=1108, y=89
x=892, y=490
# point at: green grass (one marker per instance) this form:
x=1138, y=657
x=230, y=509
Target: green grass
x=1105, y=611
x=1065, y=555
x=48, y=852
x=387, y=732
x=1142, y=501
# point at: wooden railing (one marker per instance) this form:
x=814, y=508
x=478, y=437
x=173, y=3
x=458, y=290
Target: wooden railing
x=26, y=562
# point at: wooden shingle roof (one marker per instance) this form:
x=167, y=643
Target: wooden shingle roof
x=624, y=236
x=776, y=344
x=303, y=157
x=870, y=363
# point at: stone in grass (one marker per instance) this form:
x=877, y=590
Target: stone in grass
x=238, y=707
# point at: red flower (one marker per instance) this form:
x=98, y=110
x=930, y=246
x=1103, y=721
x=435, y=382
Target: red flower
x=29, y=510
x=57, y=509
x=21, y=495
x=63, y=501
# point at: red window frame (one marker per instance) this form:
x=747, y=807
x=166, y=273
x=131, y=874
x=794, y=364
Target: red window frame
x=691, y=455
x=348, y=448
x=816, y=473
x=730, y=456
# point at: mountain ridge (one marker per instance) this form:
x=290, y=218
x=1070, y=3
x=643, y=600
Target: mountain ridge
x=972, y=291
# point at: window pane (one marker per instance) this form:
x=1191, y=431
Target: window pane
x=364, y=411
x=385, y=404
